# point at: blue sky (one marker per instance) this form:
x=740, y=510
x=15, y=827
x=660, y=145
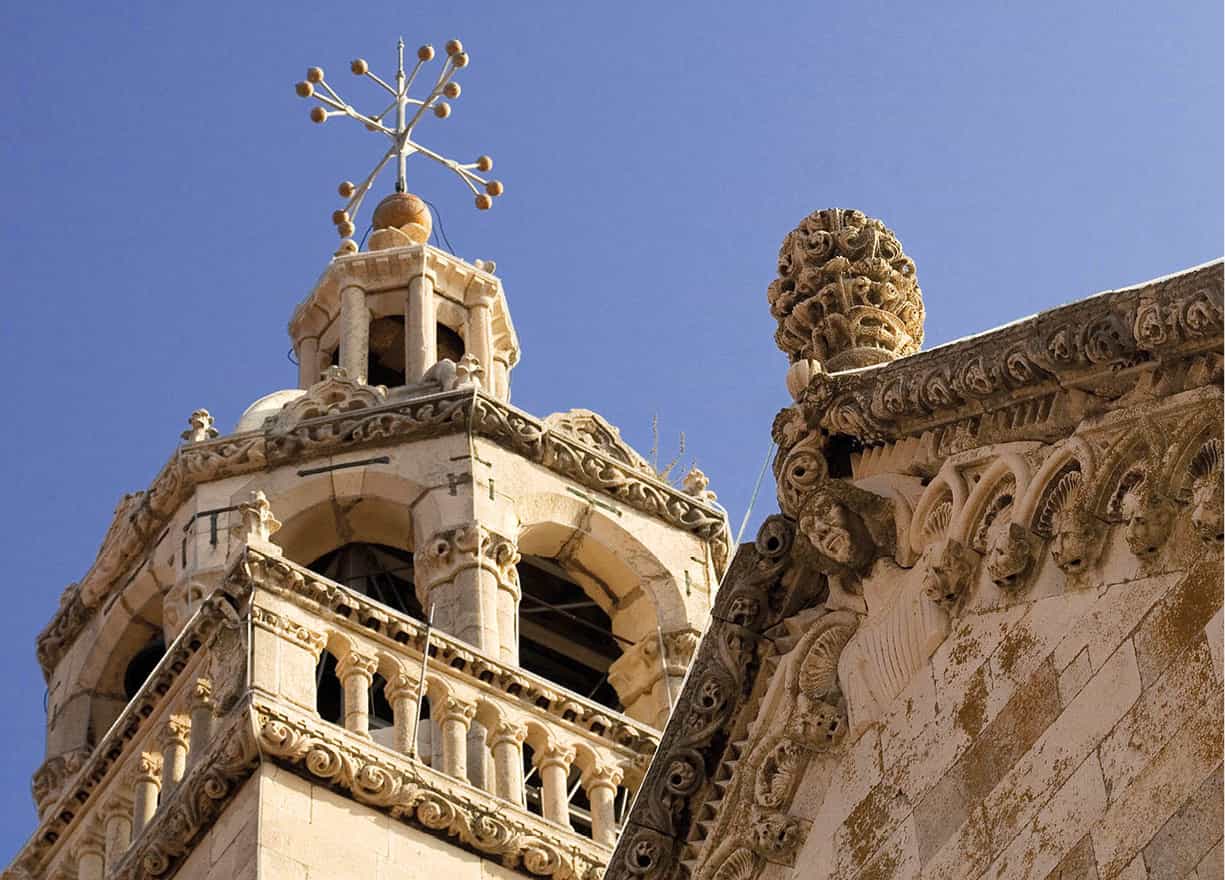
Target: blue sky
x=167, y=203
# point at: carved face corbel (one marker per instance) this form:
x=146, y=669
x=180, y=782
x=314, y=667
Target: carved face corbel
x=1149, y=521
x=1010, y=553
x=1207, y=499
x=839, y=535
x=950, y=571
x=1077, y=538
x=773, y=835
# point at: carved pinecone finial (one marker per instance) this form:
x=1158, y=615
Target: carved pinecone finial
x=846, y=295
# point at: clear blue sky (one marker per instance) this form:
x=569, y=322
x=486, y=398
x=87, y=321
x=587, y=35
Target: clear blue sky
x=167, y=202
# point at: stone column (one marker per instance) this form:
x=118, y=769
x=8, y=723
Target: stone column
x=454, y=718
x=91, y=856
x=509, y=594
x=176, y=734
x=479, y=340
x=356, y=672
x=501, y=379
x=308, y=362
x=354, y=332
x=146, y=785
x=118, y=824
x=458, y=571
x=201, y=706
x=402, y=694
x=506, y=740
x=600, y=782
x=420, y=328
x=554, y=764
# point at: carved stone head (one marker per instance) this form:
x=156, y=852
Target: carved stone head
x=1076, y=539
x=1150, y=518
x=773, y=834
x=950, y=570
x=1010, y=552
x=816, y=723
x=1207, y=498
x=838, y=534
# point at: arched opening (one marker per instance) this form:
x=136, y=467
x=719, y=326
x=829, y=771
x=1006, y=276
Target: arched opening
x=564, y=636
x=450, y=344
x=329, y=695
x=385, y=353
x=142, y=665
x=385, y=574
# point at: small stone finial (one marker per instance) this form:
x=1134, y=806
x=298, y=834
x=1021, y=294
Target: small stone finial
x=200, y=427
x=695, y=485
x=400, y=219
x=258, y=523
x=846, y=295
x=468, y=372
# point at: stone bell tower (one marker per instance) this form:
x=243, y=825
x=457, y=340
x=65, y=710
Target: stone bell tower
x=388, y=625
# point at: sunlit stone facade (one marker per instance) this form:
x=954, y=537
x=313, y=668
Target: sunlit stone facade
x=982, y=635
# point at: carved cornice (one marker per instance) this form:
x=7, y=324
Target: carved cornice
x=349, y=610
x=727, y=669
x=141, y=517
x=418, y=795
x=78, y=796
x=1099, y=346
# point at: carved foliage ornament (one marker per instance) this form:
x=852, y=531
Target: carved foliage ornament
x=846, y=295
x=1095, y=344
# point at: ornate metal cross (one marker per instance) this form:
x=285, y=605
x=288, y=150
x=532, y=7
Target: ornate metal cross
x=401, y=133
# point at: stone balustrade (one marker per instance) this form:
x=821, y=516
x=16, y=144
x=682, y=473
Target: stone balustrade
x=137, y=765
x=481, y=714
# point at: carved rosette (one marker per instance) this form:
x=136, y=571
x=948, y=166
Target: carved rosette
x=846, y=295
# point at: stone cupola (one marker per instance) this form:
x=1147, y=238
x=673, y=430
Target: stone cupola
x=387, y=316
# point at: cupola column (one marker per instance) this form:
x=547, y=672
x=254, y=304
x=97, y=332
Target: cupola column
x=354, y=331
x=420, y=328
x=480, y=334
x=308, y=362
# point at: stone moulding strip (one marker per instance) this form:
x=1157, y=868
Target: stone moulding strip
x=1082, y=346
x=344, y=608
x=141, y=516
x=216, y=612
x=418, y=795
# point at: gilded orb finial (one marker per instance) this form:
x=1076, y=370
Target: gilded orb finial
x=402, y=212
x=846, y=295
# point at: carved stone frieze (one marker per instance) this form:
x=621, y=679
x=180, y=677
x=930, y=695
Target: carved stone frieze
x=337, y=392
x=362, y=420
x=412, y=793
x=593, y=430
x=1102, y=346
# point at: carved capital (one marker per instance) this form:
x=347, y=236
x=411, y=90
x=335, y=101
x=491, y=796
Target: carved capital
x=455, y=709
x=601, y=775
x=401, y=685
x=471, y=545
x=176, y=731
x=355, y=664
x=147, y=768
x=507, y=732
x=554, y=754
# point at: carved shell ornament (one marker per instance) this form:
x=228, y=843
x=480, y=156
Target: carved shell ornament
x=846, y=295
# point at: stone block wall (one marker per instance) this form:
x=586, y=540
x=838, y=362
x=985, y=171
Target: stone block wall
x=1074, y=736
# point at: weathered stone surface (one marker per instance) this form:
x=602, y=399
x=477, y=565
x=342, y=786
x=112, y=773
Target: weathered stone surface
x=1187, y=837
